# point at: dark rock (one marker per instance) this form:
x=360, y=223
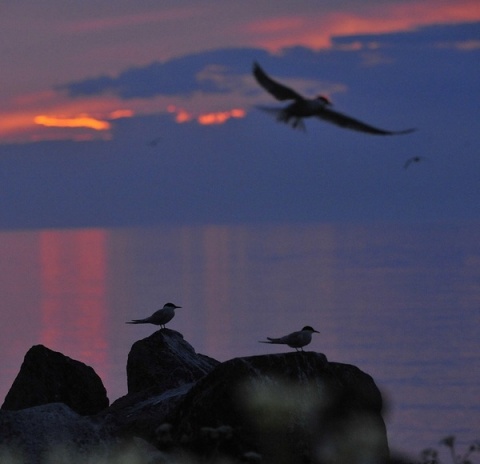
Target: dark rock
x=49, y=433
x=50, y=377
x=141, y=414
x=293, y=407
x=164, y=361
x=283, y=408
x=161, y=369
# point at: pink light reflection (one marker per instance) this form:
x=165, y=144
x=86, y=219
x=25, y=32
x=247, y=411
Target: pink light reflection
x=73, y=294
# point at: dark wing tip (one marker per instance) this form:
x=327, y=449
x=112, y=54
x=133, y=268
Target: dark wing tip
x=389, y=132
x=376, y=131
x=258, y=72
x=348, y=122
x=406, y=131
x=278, y=90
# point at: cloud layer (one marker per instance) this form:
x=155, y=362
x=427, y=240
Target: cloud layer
x=252, y=169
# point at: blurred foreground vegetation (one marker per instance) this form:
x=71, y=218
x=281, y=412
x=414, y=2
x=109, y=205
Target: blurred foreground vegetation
x=432, y=455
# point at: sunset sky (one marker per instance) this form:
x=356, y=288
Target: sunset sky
x=136, y=168
x=117, y=113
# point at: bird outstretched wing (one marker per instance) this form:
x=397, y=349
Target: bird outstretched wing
x=279, y=91
x=294, y=113
x=348, y=122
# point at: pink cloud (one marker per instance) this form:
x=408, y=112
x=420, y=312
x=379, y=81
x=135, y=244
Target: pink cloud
x=316, y=31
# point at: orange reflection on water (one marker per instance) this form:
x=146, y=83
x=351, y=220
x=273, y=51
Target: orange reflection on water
x=73, y=268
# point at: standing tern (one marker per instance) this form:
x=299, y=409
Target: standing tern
x=302, y=107
x=160, y=317
x=295, y=339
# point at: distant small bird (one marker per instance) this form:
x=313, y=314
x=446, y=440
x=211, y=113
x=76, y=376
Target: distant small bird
x=155, y=141
x=304, y=108
x=295, y=340
x=413, y=159
x=160, y=317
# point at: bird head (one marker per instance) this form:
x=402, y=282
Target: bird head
x=324, y=100
x=307, y=328
x=171, y=305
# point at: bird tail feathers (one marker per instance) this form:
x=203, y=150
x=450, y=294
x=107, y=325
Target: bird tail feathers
x=283, y=116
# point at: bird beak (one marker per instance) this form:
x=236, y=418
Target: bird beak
x=316, y=331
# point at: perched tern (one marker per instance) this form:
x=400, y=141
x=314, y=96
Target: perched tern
x=302, y=107
x=160, y=317
x=295, y=340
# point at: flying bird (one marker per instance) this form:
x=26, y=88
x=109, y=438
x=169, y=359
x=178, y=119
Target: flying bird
x=295, y=340
x=302, y=107
x=160, y=317
x=413, y=159
x=154, y=142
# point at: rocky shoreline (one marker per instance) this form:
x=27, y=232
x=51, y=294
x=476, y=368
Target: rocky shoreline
x=183, y=406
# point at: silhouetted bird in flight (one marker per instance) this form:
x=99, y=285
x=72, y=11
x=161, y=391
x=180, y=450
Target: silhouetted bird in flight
x=160, y=317
x=295, y=340
x=413, y=159
x=302, y=107
x=154, y=142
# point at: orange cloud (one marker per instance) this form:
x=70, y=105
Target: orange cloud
x=14, y=122
x=205, y=119
x=181, y=115
x=117, y=114
x=52, y=116
x=220, y=117
x=29, y=117
x=79, y=121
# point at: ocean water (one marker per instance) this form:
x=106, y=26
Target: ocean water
x=401, y=302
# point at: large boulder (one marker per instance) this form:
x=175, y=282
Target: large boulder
x=47, y=376
x=281, y=408
x=164, y=361
x=142, y=414
x=49, y=433
x=161, y=369
x=287, y=408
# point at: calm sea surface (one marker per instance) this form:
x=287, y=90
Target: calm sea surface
x=401, y=302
